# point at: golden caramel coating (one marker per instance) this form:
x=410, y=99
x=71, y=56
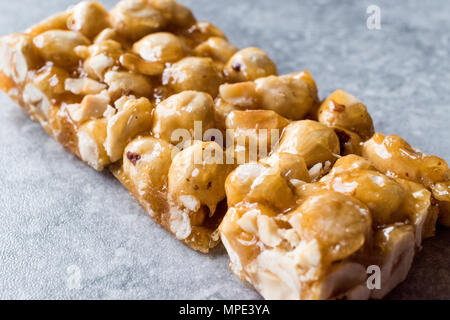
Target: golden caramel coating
x=343, y=110
x=313, y=141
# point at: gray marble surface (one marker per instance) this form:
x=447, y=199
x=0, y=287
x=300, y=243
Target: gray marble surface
x=68, y=232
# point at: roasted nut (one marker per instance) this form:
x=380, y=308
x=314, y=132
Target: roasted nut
x=122, y=83
x=350, y=142
x=200, y=32
x=197, y=176
x=18, y=56
x=161, y=47
x=255, y=119
x=176, y=14
x=221, y=110
x=380, y=193
x=292, y=166
x=135, y=63
x=395, y=157
x=241, y=95
x=133, y=118
x=280, y=274
x=192, y=73
x=257, y=183
x=37, y=101
x=89, y=18
x=343, y=110
x=111, y=48
x=396, y=248
x=441, y=191
x=91, y=137
x=180, y=111
x=102, y=56
x=146, y=162
x=83, y=86
x=105, y=35
x=55, y=22
x=291, y=96
x=91, y=107
x=349, y=163
x=249, y=64
x=135, y=19
x=58, y=46
x=313, y=141
x=341, y=224
x=254, y=132
x=216, y=48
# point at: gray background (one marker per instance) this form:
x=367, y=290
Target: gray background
x=57, y=215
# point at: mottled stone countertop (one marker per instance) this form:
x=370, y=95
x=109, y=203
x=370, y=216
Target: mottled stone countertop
x=67, y=231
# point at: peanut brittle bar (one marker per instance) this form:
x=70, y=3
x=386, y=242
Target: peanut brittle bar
x=214, y=144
